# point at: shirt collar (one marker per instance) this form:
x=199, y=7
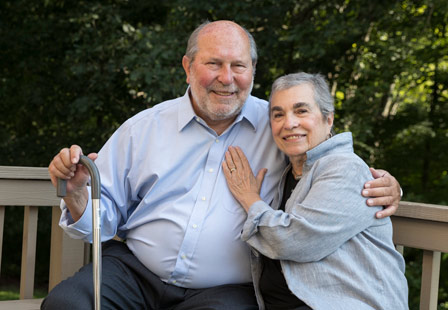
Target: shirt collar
x=186, y=113
x=340, y=143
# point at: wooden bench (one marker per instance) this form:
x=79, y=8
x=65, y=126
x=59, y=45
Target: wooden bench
x=30, y=187
x=416, y=225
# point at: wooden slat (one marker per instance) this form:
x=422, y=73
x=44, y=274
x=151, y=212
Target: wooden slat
x=66, y=254
x=27, y=192
x=423, y=211
x=25, y=304
x=2, y=223
x=24, y=173
x=55, y=249
x=430, y=280
x=420, y=234
x=400, y=249
x=28, y=252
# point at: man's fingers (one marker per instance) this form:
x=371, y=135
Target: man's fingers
x=75, y=153
x=378, y=173
x=377, y=192
x=63, y=160
x=380, y=201
x=390, y=210
x=380, y=182
x=64, y=164
x=61, y=166
x=93, y=156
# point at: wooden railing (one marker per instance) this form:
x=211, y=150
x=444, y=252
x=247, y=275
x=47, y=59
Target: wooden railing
x=416, y=225
x=424, y=226
x=30, y=187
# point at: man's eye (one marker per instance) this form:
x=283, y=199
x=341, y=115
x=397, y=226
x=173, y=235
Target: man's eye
x=212, y=64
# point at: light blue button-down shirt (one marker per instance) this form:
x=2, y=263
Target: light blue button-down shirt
x=164, y=191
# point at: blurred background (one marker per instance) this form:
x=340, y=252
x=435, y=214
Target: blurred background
x=73, y=71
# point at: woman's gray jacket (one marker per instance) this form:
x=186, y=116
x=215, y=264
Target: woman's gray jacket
x=334, y=253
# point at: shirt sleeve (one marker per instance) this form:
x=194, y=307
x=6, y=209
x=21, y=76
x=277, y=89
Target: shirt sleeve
x=113, y=162
x=332, y=212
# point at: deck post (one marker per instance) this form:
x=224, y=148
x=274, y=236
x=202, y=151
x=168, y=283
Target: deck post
x=430, y=280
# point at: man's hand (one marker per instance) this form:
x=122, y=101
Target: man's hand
x=385, y=191
x=65, y=166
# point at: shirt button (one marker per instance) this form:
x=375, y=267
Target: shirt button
x=183, y=256
x=197, y=118
x=210, y=170
x=194, y=226
x=217, y=140
x=174, y=281
x=203, y=198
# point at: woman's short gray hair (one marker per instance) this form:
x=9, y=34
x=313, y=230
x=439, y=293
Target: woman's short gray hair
x=192, y=45
x=321, y=89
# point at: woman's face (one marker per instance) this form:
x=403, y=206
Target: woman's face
x=296, y=121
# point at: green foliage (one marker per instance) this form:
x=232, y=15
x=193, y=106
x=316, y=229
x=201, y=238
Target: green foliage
x=72, y=72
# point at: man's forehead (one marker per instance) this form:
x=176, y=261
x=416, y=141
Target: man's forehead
x=225, y=31
x=224, y=41
x=221, y=26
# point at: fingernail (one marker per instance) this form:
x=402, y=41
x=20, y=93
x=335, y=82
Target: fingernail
x=379, y=215
x=369, y=201
x=367, y=185
x=73, y=160
x=365, y=193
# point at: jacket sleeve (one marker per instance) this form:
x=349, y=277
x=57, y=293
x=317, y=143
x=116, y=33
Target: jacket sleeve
x=331, y=212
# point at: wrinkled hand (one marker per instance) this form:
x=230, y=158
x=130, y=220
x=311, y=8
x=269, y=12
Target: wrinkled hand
x=242, y=183
x=385, y=191
x=65, y=166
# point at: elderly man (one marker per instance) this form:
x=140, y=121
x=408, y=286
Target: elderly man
x=164, y=192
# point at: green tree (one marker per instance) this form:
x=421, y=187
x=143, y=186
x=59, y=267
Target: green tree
x=72, y=72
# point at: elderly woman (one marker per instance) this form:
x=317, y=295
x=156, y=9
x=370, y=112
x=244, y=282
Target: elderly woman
x=317, y=246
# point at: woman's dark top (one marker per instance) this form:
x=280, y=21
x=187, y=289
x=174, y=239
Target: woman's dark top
x=275, y=291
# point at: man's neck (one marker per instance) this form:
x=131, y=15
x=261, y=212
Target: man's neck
x=219, y=126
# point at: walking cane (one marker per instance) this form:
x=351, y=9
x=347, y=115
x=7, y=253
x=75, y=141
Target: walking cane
x=96, y=224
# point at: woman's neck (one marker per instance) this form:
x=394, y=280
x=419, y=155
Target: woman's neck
x=297, y=165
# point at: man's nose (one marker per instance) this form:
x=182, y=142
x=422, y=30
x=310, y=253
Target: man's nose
x=226, y=75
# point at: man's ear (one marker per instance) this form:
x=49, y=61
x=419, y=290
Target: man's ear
x=186, y=65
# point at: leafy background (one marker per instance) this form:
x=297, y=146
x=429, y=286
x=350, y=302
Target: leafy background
x=73, y=71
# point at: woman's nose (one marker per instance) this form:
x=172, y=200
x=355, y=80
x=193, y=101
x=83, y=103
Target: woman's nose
x=291, y=122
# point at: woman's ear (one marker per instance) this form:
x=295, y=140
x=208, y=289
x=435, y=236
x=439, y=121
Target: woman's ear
x=330, y=119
